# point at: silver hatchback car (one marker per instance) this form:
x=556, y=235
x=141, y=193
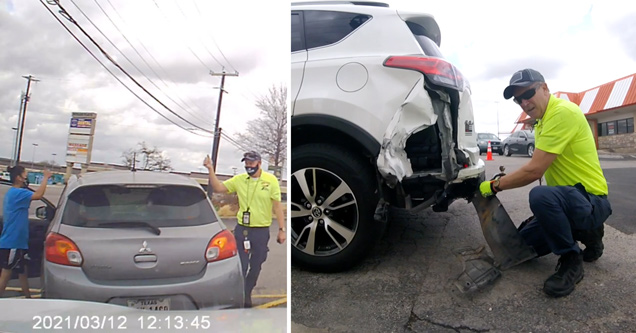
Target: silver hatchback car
x=141, y=239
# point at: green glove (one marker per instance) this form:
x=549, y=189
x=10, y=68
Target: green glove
x=486, y=189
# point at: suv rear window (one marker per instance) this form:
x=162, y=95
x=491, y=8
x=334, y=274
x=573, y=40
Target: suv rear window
x=162, y=206
x=428, y=45
x=327, y=27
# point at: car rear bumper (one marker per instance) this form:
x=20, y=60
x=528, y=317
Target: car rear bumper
x=218, y=286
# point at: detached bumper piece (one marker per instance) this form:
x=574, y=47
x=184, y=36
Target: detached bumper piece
x=479, y=270
x=505, y=242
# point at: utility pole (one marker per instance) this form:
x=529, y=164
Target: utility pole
x=23, y=116
x=217, y=132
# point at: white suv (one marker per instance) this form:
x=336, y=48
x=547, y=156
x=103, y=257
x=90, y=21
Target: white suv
x=378, y=117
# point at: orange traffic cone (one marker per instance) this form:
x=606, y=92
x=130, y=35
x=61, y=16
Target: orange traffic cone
x=489, y=153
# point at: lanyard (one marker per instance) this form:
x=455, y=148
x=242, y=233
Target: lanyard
x=249, y=201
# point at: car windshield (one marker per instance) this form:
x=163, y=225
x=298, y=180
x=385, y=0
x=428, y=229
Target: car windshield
x=487, y=136
x=164, y=206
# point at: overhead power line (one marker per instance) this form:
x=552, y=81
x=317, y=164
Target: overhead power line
x=64, y=13
x=149, y=53
x=131, y=62
x=234, y=142
x=188, y=46
x=214, y=40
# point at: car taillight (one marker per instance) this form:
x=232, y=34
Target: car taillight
x=61, y=250
x=439, y=71
x=222, y=246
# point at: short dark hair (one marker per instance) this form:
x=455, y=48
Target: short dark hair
x=15, y=172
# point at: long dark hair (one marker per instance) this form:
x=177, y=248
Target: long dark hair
x=15, y=172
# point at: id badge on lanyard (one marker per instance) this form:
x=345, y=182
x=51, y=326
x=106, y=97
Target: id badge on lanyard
x=246, y=218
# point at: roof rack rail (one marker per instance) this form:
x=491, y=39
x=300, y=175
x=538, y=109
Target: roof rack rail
x=357, y=3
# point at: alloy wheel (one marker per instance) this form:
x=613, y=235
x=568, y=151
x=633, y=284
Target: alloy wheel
x=324, y=212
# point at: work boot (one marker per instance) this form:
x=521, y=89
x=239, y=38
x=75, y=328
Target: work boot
x=593, y=241
x=569, y=273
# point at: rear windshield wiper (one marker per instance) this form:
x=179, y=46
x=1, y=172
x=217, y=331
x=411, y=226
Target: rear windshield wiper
x=155, y=230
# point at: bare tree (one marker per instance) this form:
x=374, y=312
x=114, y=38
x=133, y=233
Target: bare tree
x=268, y=134
x=152, y=158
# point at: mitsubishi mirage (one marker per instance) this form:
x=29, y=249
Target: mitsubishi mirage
x=379, y=118
x=145, y=240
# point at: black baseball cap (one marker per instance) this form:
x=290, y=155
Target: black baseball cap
x=251, y=156
x=523, y=78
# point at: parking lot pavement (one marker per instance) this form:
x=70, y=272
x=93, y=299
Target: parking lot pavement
x=407, y=282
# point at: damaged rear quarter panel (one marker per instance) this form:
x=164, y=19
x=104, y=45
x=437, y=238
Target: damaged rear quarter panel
x=418, y=112
x=414, y=114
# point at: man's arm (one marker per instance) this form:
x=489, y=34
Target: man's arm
x=530, y=172
x=280, y=217
x=39, y=193
x=217, y=186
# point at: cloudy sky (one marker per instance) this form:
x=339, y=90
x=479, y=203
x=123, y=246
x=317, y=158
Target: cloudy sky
x=576, y=45
x=168, y=46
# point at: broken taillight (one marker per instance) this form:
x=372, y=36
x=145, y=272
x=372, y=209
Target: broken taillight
x=439, y=71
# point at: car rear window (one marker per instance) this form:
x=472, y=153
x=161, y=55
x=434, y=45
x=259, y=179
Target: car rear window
x=163, y=206
x=428, y=45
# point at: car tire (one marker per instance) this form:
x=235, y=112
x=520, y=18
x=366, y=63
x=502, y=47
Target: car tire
x=530, y=150
x=348, y=231
x=506, y=150
x=500, y=152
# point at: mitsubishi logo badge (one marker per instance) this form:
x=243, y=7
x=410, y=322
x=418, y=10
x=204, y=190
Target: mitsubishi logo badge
x=145, y=248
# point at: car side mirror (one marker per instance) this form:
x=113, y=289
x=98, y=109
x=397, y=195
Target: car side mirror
x=41, y=212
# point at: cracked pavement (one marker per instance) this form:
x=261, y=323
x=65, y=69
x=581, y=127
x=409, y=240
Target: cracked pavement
x=406, y=284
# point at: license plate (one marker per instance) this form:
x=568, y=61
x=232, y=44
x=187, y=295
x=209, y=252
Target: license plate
x=153, y=304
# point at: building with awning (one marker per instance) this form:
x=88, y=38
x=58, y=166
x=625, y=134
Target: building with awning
x=610, y=110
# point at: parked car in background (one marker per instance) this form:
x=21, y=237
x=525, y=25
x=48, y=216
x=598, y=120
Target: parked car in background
x=5, y=176
x=146, y=240
x=379, y=117
x=495, y=143
x=520, y=142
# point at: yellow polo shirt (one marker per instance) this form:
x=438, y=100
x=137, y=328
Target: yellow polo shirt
x=255, y=194
x=564, y=131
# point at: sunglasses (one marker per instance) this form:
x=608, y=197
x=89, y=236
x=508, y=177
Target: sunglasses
x=526, y=95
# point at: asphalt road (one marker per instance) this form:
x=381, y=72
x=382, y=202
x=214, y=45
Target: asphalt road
x=270, y=290
x=406, y=284
x=622, y=185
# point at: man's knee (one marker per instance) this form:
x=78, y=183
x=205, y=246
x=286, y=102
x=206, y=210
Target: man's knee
x=541, y=196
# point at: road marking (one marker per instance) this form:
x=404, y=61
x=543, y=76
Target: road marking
x=33, y=290
x=269, y=296
x=272, y=304
x=32, y=296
